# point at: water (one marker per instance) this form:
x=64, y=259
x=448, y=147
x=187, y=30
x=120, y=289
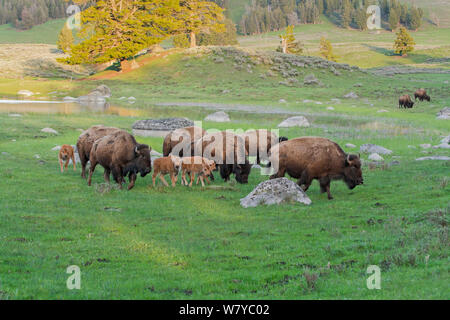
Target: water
x=62, y=107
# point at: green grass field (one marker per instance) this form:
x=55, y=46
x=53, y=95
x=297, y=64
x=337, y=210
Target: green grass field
x=164, y=243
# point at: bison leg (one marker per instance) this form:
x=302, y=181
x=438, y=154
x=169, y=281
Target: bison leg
x=106, y=175
x=161, y=177
x=225, y=172
x=325, y=186
x=132, y=177
x=174, y=179
x=305, y=181
x=61, y=164
x=91, y=171
x=118, y=176
x=155, y=174
x=83, y=161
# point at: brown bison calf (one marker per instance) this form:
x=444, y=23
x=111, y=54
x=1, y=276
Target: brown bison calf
x=196, y=166
x=86, y=141
x=167, y=165
x=181, y=139
x=405, y=102
x=120, y=154
x=309, y=158
x=422, y=95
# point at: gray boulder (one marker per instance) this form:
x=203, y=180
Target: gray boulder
x=351, y=95
x=49, y=130
x=350, y=145
x=373, y=148
x=376, y=157
x=159, y=127
x=219, y=116
x=276, y=191
x=311, y=79
x=298, y=121
x=444, y=114
x=442, y=158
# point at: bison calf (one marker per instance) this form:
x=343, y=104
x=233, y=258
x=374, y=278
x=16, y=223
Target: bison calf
x=120, y=154
x=196, y=166
x=167, y=165
x=310, y=158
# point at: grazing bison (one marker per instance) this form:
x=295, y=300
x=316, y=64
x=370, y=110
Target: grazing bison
x=181, y=138
x=309, y=158
x=405, y=101
x=259, y=142
x=87, y=139
x=228, y=151
x=422, y=95
x=120, y=153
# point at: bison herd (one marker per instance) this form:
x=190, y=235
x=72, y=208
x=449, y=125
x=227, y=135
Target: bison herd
x=405, y=101
x=197, y=153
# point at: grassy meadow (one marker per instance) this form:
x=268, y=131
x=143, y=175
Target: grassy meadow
x=199, y=243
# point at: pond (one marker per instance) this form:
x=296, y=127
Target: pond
x=67, y=108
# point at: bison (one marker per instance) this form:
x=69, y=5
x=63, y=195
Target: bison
x=184, y=137
x=228, y=151
x=405, y=101
x=309, y=158
x=87, y=139
x=259, y=142
x=422, y=95
x=120, y=154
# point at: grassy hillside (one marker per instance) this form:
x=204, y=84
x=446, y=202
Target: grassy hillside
x=161, y=243
x=46, y=33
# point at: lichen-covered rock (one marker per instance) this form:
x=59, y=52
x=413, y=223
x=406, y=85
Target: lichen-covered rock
x=444, y=114
x=351, y=95
x=168, y=124
x=219, y=116
x=298, y=121
x=441, y=158
x=49, y=130
x=373, y=148
x=376, y=157
x=276, y=191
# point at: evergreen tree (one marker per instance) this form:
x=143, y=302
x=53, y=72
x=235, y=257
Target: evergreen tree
x=414, y=19
x=346, y=14
x=326, y=50
x=288, y=42
x=393, y=20
x=65, y=39
x=228, y=37
x=404, y=42
x=181, y=41
x=200, y=16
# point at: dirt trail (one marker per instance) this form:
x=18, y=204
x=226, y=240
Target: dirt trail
x=128, y=66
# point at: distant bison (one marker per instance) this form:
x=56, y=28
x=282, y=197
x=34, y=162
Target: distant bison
x=422, y=95
x=120, y=154
x=405, y=101
x=228, y=151
x=180, y=139
x=309, y=158
x=87, y=139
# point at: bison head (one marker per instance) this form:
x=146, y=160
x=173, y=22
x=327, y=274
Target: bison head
x=352, y=171
x=242, y=171
x=143, y=159
x=427, y=97
x=281, y=139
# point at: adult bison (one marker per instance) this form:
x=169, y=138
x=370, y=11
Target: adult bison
x=228, y=152
x=259, y=142
x=309, y=158
x=422, y=95
x=181, y=139
x=87, y=139
x=405, y=101
x=120, y=154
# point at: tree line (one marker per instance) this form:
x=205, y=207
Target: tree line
x=24, y=14
x=272, y=15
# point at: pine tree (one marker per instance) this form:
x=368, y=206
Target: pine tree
x=65, y=39
x=346, y=14
x=288, y=42
x=404, y=42
x=200, y=16
x=393, y=20
x=326, y=50
x=113, y=30
x=414, y=19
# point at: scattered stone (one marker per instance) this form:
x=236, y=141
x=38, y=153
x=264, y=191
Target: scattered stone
x=69, y=99
x=49, y=130
x=330, y=108
x=350, y=145
x=5, y=153
x=123, y=98
x=446, y=140
x=311, y=80
x=298, y=121
x=101, y=90
x=15, y=115
x=442, y=158
x=36, y=156
x=412, y=147
x=358, y=85
x=219, y=116
x=282, y=101
x=444, y=114
x=373, y=148
x=394, y=163
x=276, y=191
x=318, y=102
x=159, y=127
x=25, y=93
x=226, y=91
x=442, y=146
x=351, y=95
x=382, y=111
x=425, y=146
x=57, y=148
x=376, y=157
